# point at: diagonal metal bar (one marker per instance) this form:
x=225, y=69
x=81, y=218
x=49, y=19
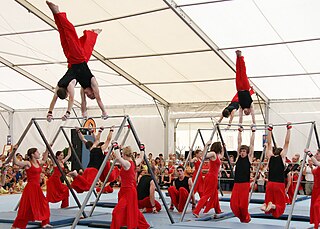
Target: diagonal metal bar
x=86, y=200
x=300, y=177
x=18, y=143
x=225, y=150
x=191, y=149
x=197, y=176
x=107, y=177
x=58, y=165
x=151, y=172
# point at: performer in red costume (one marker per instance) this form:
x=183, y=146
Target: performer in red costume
x=78, y=52
x=243, y=89
x=82, y=183
x=33, y=204
x=197, y=161
x=210, y=197
x=239, y=201
x=56, y=191
x=126, y=213
x=232, y=108
x=275, y=199
x=315, y=196
x=180, y=190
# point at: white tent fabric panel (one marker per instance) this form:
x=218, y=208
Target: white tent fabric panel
x=290, y=87
x=32, y=48
x=197, y=92
x=263, y=22
x=186, y=67
x=15, y=18
x=11, y=80
x=28, y=99
x=85, y=11
x=295, y=111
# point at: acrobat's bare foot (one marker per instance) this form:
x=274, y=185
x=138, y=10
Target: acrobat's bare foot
x=270, y=206
x=53, y=7
x=73, y=174
x=97, y=31
x=47, y=226
x=238, y=52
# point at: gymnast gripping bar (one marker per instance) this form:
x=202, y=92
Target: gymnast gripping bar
x=96, y=117
x=266, y=125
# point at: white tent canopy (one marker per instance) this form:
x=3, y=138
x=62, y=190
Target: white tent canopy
x=179, y=54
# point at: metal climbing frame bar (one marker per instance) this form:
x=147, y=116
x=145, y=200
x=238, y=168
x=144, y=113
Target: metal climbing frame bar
x=196, y=178
x=86, y=200
x=300, y=175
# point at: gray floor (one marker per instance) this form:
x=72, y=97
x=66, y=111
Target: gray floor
x=160, y=220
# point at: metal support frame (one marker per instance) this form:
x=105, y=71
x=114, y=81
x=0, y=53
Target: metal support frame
x=126, y=119
x=86, y=200
x=312, y=128
x=225, y=150
x=33, y=121
x=107, y=177
x=58, y=165
x=191, y=149
x=151, y=172
x=196, y=178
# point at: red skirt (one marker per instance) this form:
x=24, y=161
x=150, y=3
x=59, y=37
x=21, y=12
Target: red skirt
x=126, y=212
x=56, y=191
x=82, y=183
x=33, y=205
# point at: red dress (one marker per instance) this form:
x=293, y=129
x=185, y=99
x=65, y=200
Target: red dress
x=210, y=197
x=315, y=199
x=56, y=191
x=126, y=212
x=33, y=204
x=199, y=185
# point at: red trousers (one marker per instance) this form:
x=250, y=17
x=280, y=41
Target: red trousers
x=239, y=201
x=275, y=193
x=210, y=197
x=145, y=203
x=315, y=207
x=107, y=189
x=22, y=223
x=178, y=197
x=82, y=183
x=77, y=50
x=126, y=212
x=242, y=82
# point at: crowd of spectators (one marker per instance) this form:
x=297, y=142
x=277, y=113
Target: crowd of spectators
x=165, y=172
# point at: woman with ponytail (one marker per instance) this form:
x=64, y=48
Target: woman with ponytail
x=56, y=191
x=33, y=203
x=126, y=213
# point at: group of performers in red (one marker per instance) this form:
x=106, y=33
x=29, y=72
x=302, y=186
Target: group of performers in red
x=34, y=205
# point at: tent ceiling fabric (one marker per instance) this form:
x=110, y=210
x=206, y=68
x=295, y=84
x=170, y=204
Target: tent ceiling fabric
x=148, y=41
